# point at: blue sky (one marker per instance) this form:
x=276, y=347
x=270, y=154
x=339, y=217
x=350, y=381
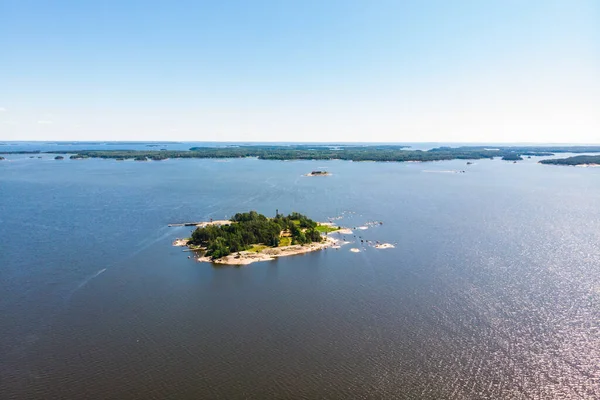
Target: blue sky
x=329, y=70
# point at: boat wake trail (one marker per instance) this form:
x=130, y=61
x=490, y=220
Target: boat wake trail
x=165, y=232
x=88, y=279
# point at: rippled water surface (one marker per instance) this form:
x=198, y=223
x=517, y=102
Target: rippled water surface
x=492, y=291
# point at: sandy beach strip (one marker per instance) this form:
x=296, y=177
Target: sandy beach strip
x=343, y=231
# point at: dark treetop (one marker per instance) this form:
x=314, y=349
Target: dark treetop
x=252, y=228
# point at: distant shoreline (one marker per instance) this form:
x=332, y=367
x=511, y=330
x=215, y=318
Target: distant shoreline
x=381, y=153
x=576, y=161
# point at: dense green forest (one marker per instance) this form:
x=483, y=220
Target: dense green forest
x=337, y=152
x=576, y=160
x=512, y=157
x=252, y=228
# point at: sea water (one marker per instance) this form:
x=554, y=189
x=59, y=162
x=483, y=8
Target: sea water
x=492, y=289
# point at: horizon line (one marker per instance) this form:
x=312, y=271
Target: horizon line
x=296, y=142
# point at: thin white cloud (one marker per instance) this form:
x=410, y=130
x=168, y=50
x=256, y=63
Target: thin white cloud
x=2, y=109
x=45, y=122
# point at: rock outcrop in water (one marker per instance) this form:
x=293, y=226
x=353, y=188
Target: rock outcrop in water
x=318, y=173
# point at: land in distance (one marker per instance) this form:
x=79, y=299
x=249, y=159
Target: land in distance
x=395, y=153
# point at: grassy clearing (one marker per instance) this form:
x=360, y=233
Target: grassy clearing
x=327, y=228
x=285, y=241
x=257, y=248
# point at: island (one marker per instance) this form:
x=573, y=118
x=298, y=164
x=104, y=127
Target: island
x=59, y=158
x=318, y=173
x=250, y=237
x=2, y=158
x=582, y=161
x=512, y=157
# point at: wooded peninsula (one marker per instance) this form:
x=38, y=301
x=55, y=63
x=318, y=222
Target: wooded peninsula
x=576, y=160
x=396, y=153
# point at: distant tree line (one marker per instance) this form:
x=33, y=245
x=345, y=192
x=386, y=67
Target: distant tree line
x=391, y=153
x=576, y=160
x=252, y=228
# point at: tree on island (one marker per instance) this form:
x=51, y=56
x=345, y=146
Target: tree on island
x=218, y=248
x=252, y=228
